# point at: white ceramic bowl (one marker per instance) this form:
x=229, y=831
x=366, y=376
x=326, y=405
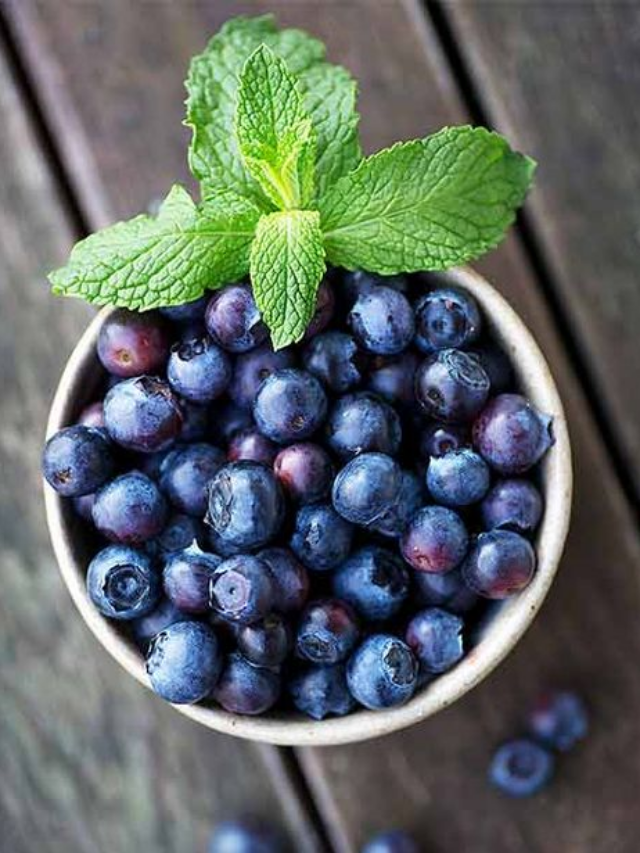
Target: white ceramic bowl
x=499, y=634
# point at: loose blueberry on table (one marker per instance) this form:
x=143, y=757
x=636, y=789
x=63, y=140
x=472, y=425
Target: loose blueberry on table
x=309, y=453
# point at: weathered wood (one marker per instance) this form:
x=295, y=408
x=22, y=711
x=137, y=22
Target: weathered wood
x=432, y=778
x=89, y=761
x=563, y=82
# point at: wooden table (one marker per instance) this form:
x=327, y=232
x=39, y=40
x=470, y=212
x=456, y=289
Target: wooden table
x=91, y=104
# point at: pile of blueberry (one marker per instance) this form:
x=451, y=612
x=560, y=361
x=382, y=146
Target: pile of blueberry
x=316, y=527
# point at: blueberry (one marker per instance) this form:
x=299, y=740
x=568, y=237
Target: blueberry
x=198, y=369
x=252, y=368
x=408, y=501
x=497, y=366
x=358, y=282
x=382, y=672
x=393, y=378
x=196, y=422
x=184, y=662
x=512, y=505
x=230, y=420
x=187, y=577
x=122, y=583
x=265, y=643
x=83, y=505
x=245, y=688
x=367, y=488
x=242, y=589
x=446, y=318
x=290, y=406
x=186, y=473
x=374, y=581
x=142, y=414
x=130, y=509
x=452, y=386
x=130, y=344
x=246, y=506
x=382, y=320
x=321, y=539
x=245, y=836
x=92, y=415
x=446, y=590
x=511, y=434
x=559, y=719
x=290, y=577
x=77, y=460
x=435, y=636
x=393, y=841
x=145, y=628
x=500, y=564
x=325, y=305
x=363, y=423
x=179, y=533
x=233, y=320
x=305, y=472
x=321, y=691
x=436, y=540
x=458, y=478
x=327, y=632
x=190, y=312
x=438, y=439
x=333, y=357
x=521, y=768
x=250, y=445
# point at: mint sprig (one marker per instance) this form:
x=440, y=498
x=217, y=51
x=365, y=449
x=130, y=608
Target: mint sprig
x=286, y=190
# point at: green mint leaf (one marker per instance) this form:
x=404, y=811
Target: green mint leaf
x=329, y=94
x=427, y=204
x=214, y=156
x=287, y=265
x=274, y=132
x=170, y=259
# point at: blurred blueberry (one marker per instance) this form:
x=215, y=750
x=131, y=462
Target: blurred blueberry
x=521, y=768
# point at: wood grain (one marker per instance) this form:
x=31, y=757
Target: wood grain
x=431, y=778
x=567, y=94
x=89, y=762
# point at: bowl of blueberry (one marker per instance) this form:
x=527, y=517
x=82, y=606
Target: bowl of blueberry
x=307, y=477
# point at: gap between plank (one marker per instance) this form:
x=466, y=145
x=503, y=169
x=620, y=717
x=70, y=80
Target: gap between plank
x=281, y=762
x=78, y=221
x=533, y=246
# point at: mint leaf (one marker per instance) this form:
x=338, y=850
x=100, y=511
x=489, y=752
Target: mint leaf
x=329, y=95
x=287, y=265
x=170, y=259
x=214, y=156
x=274, y=132
x=425, y=204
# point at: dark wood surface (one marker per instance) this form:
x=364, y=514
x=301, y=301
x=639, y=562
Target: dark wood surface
x=567, y=94
x=110, y=88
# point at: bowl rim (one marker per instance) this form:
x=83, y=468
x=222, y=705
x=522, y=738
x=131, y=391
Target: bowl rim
x=504, y=629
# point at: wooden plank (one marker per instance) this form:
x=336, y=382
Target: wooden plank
x=566, y=91
x=90, y=762
x=432, y=778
